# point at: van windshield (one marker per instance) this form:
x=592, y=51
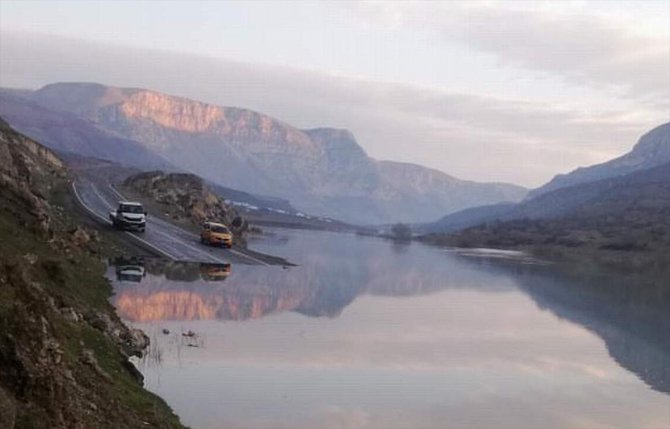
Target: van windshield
x=221, y=229
x=126, y=208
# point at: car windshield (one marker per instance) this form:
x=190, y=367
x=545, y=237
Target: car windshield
x=221, y=229
x=126, y=208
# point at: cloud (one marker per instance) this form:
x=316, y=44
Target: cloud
x=471, y=136
x=583, y=48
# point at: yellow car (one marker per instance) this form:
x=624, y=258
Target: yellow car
x=216, y=234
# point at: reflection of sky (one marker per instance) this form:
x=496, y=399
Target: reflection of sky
x=461, y=355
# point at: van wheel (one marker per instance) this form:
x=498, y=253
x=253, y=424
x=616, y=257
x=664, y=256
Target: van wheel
x=202, y=240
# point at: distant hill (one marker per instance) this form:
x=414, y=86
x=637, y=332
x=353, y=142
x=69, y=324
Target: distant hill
x=468, y=217
x=563, y=197
x=321, y=171
x=630, y=212
x=652, y=149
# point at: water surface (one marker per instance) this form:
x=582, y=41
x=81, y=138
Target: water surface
x=368, y=333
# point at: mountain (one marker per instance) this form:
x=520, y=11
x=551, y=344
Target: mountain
x=652, y=149
x=321, y=171
x=467, y=218
x=567, y=193
x=66, y=133
x=630, y=212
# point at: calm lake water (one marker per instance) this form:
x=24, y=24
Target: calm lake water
x=365, y=333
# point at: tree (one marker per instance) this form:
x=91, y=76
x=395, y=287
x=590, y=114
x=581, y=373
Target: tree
x=401, y=231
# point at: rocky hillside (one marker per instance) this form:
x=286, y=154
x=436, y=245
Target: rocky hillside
x=321, y=171
x=63, y=351
x=186, y=197
x=27, y=174
x=652, y=149
x=568, y=193
x=630, y=212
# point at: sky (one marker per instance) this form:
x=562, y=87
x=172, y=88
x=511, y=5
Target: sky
x=484, y=90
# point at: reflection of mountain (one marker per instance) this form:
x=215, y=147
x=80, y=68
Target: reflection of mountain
x=323, y=286
x=194, y=298
x=630, y=313
x=185, y=305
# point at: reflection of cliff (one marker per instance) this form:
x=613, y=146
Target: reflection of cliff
x=185, y=305
x=201, y=300
x=172, y=305
x=630, y=313
x=322, y=287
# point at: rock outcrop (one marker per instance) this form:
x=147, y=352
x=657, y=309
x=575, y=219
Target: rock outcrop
x=27, y=172
x=186, y=196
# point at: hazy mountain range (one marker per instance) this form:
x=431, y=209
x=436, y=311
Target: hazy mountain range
x=620, y=205
x=321, y=171
x=636, y=179
x=652, y=149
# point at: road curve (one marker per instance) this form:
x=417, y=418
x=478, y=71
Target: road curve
x=169, y=240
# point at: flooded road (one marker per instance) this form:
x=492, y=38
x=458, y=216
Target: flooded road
x=367, y=333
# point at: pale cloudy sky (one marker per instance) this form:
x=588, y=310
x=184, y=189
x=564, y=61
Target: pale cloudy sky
x=504, y=91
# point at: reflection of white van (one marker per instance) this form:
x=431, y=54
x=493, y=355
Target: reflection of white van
x=130, y=273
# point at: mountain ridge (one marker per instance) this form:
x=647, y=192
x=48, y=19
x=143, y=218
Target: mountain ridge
x=652, y=148
x=323, y=171
x=629, y=212
x=651, y=152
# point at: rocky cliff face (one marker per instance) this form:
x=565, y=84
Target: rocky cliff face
x=27, y=173
x=652, y=149
x=322, y=171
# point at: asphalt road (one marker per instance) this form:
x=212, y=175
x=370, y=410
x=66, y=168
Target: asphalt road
x=171, y=241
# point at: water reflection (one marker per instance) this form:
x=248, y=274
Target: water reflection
x=184, y=291
x=481, y=334
x=129, y=269
x=631, y=313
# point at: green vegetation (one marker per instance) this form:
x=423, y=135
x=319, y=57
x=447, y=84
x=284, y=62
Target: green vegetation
x=622, y=219
x=401, y=231
x=631, y=240
x=51, y=296
x=64, y=353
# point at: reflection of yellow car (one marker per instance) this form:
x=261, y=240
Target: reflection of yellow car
x=213, y=272
x=216, y=234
